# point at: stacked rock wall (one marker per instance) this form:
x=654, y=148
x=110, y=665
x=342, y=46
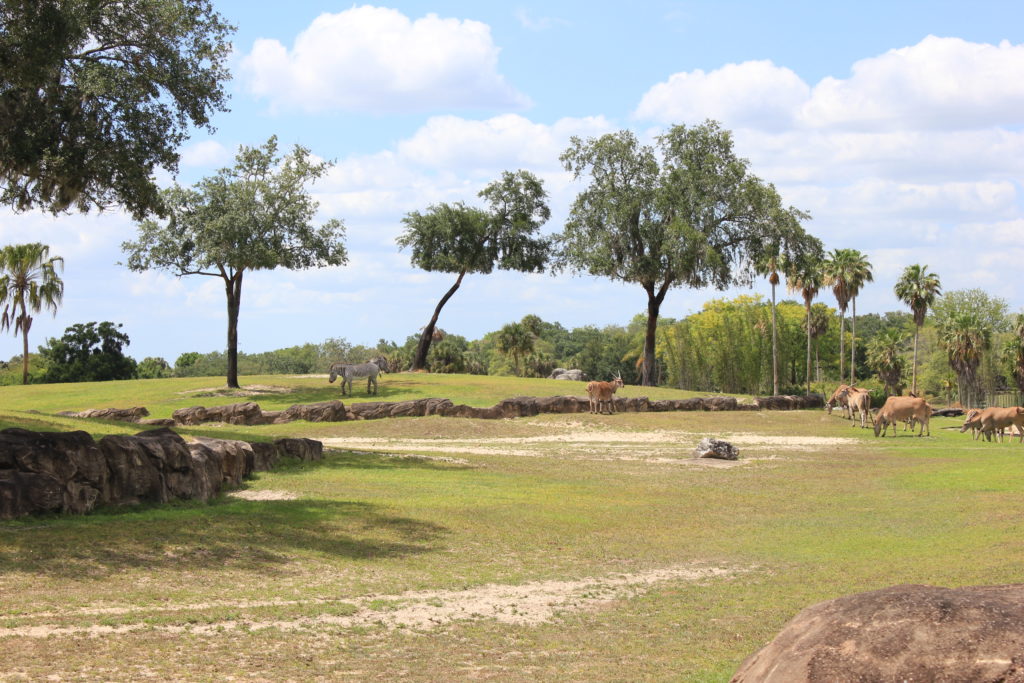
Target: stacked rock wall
x=70, y=472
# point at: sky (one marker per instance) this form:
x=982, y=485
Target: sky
x=898, y=126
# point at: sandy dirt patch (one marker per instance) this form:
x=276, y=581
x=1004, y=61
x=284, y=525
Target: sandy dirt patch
x=264, y=494
x=524, y=604
x=660, y=446
x=247, y=390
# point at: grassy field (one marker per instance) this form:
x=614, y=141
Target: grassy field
x=561, y=547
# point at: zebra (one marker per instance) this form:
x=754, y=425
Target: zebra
x=368, y=370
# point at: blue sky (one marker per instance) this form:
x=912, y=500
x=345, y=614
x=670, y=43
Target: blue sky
x=898, y=126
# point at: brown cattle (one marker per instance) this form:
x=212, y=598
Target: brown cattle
x=899, y=408
x=837, y=400
x=859, y=400
x=996, y=420
x=600, y=394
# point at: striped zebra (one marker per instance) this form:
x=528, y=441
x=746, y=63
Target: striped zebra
x=349, y=370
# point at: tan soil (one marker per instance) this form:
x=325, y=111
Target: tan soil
x=524, y=604
x=660, y=446
x=265, y=494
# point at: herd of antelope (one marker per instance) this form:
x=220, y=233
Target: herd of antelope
x=987, y=422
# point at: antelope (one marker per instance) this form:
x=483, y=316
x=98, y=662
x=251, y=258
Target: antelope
x=601, y=393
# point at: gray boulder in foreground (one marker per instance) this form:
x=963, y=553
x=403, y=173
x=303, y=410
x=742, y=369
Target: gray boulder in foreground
x=901, y=633
x=716, y=448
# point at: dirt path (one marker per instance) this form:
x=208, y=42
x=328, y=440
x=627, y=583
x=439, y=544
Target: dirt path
x=523, y=604
x=667, y=447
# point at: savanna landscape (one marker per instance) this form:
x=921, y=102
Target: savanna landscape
x=579, y=546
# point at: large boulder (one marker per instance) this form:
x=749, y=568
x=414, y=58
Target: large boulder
x=119, y=414
x=716, y=448
x=326, y=411
x=70, y=459
x=569, y=375
x=24, y=493
x=563, y=404
x=902, y=633
x=307, y=450
x=247, y=413
x=719, y=403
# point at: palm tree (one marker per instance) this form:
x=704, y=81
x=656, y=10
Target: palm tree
x=885, y=356
x=846, y=271
x=515, y=339
x=28, y=284
x=965, y=337
x=835, y=274
x=1015, y=347
x=805, y=277
x=917, y=288
x=821, y=318
x=770, y=266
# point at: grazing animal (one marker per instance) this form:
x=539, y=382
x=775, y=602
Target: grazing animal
x=973, y=422
x=601, y=393
x=839, y=398
x=859, y=400
x=995, y=420
x=899, y=408
x=348, y=371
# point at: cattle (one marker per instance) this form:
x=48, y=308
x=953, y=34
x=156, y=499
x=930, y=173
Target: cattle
x=899, y=408
x=996, y=420
x=838, y=398
x=601, y=393
x=859, y=400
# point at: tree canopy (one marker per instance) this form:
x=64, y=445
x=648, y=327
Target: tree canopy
x=95, y=95
x=687, y=212
x=255, y=215
x=455, y=238
x=90, y=352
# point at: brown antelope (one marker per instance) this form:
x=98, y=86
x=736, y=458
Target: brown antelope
x=601, y=393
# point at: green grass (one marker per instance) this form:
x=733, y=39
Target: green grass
x=807, y=525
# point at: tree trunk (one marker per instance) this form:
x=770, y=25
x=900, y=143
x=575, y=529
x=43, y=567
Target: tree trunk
x=853, y=343
x=233, y=287
x=917, y=333
x=775, y=349
x=654, y=300
x=420, y=360
x=808, y=303
x=842, y=344
x=26, y=323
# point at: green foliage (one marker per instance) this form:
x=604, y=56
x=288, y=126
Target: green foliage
x=154, y=368
x=448, y=355
x=688, y=213
x=455, y=238
x=90, y=352
x=95, y=95
x=28, y=284
x=885, y=357
x=516, y=340
x=295, y=360
x=255, y=215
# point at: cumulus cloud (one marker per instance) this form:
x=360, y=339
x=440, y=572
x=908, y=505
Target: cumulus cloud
x=377, y=59
x=204, y=154
x=757, y=94
x=938, y=84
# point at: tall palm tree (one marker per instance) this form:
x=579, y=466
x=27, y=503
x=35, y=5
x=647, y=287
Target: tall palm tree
x=965, y=337
x=805, y=276
x=860, y=274
x=1016, y=348
x=770, y=266
x=917, y=288
x=846, y=271
x=835, y=274
x=28, y=284
x=515, y=340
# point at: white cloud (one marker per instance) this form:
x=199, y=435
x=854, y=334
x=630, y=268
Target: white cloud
x=757, y=94
x=377, y=59
x=938, y=84
x=532, y=23
x=205, y=154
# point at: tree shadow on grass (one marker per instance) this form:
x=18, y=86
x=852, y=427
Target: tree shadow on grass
x=228, y=533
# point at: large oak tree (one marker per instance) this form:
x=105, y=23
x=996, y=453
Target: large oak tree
x=96, y=94
x=455, y=238
x=686, y=212
x=255, y=215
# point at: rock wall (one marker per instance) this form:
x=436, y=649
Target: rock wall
x=70, y=472
x=249, y=413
